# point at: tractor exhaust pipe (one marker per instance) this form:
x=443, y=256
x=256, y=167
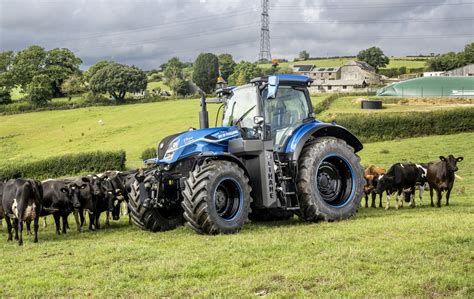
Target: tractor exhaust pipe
x=203, y=114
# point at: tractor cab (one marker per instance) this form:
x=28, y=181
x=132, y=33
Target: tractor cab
x=270, y=108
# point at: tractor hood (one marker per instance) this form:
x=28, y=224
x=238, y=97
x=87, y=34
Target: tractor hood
x=189, y=143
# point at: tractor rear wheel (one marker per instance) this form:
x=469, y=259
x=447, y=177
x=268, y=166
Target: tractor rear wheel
x=330, y=180
x=152, y=219
x=216, y=198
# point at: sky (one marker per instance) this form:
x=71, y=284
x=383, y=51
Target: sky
x=146, y=33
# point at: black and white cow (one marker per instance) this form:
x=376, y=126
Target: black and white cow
x=22, y=201
x=400, y=178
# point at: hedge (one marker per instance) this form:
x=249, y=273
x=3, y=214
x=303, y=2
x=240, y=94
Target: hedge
x=66, y=165
x=149, y=153
x=388, y=126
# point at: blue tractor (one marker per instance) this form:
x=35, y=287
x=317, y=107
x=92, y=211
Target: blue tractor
x=269, y=160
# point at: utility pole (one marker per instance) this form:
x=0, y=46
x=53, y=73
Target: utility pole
x=264, y=55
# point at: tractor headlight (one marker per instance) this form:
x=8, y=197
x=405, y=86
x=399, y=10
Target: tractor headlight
x=171, y=150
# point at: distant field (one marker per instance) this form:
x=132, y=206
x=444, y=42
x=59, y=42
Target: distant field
x=161, y=85
x=408, y=63
x=351, y=104
x=418, y=253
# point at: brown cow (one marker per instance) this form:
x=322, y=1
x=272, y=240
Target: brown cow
x=371, y=175
x=440, y=177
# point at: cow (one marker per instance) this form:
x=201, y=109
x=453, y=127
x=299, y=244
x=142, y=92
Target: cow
x=371, y=175
x=401, y=177
x=440, y=177
x=22, y=201
x=2, y=214
x=60, y=201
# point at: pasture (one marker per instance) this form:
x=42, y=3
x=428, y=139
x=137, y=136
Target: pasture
x=419, y=252
x=336, y=62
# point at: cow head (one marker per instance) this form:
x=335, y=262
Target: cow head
x=384, y=182
x=451, y=162
x=74, y=189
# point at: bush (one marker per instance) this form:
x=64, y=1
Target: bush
x=149, y=153
x=40, y=90
x=66, y=165
x=5, y=97
x=389, y=126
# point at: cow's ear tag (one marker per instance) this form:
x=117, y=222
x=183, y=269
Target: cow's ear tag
x=442, y=158
x=63, y=190
x=459, y=159
x=83, y=186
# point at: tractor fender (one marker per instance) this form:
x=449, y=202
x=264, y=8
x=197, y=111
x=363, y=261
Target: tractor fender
x=221, y=156
x=317, y=129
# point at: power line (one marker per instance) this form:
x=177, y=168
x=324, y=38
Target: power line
x=148, y=28
x=358, y=6
x=174, y=37
x=375, y=21
x=390, y=37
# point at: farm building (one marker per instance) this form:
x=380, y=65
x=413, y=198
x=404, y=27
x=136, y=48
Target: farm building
x=467, y=70
x=354, y=75
x=303, y=69
x=430, y=86
x=432, y=74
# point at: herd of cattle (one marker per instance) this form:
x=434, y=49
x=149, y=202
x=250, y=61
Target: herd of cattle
x=26, y=200
x=403, y=179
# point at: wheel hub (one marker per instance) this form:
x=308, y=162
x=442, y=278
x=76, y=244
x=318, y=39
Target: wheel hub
x=333, y=181
x=227, y=199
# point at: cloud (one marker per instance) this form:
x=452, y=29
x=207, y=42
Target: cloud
x=147, y=33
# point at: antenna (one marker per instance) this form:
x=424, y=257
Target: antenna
x=264, y=55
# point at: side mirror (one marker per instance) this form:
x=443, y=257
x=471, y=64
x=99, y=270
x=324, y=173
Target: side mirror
x=272, y=87
x=258, y=120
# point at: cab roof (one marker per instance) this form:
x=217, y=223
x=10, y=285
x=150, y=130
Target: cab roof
x=286, y=79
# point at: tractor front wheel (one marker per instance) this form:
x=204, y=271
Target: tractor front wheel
x=330, y=180
x=216, y=198
x=152, y=219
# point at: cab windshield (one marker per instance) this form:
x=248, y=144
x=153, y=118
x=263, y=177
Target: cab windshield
x=285, y=113
x=242, y=105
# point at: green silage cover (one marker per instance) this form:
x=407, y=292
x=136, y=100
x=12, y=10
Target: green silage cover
x=430, y=86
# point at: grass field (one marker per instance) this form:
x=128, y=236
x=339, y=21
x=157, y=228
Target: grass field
x=399, y=62
x=351, y=104
x=420, y=252
x=161, y=85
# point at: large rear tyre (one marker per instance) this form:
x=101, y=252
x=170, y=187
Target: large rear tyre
x=330, y=180
x=216, y=198
x=152, y=219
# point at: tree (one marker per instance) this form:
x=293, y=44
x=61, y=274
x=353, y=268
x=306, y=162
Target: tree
x=6, y=78
x=244, y=72
x=446, y=62
x=206, y=71
x=469, y=53
x=226, y=65
x=95, y=68
x=173, y=73
x=374, y=56
x=117, y=80
x=39, y=90
x=184, y=87
x=59, y=65
x=304, y=55
x=27, y=64
x=74, y=84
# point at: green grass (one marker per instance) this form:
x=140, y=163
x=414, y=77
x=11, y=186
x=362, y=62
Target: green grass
x=421, y=252
x=336, y=62
x=161, y=85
